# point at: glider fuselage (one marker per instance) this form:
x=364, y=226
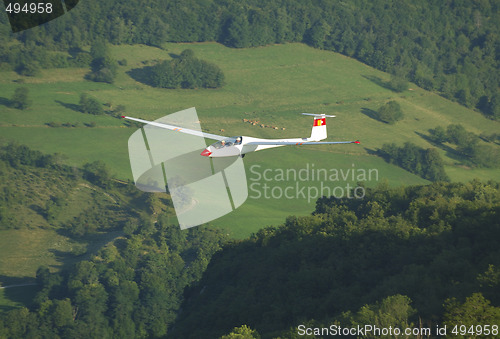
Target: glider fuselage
x=236, y=146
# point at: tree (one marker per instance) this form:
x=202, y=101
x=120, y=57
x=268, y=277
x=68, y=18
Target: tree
x=398, y=81
x=390, y=112
x=434, y=169
x=97, y=173
x=186, y=72
x=458, y=135
x=20, y=98
x=104, y=67
x=90, y=105
x=238, y=32
x=439, y=134
x=494, y=106
x=242, y=332
x=393, y=311
x=119, y=110
x=476, y=310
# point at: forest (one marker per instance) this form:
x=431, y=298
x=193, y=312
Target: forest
x=450, y=47
x=419, y=256
x=407, y=256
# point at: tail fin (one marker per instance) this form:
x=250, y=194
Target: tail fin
x=318, y=131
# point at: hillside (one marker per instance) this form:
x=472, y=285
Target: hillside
x=267, y=84
x=51, y=215
x=82, y=246
x=351, y=262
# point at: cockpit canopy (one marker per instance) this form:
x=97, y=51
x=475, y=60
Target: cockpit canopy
x=231, y=141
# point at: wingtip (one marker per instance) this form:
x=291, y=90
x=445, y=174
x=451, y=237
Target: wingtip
x=123, y=116
x=357, y=142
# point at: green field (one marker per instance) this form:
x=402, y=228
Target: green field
x=271, y=84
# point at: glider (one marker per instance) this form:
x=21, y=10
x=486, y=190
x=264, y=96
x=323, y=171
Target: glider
x=241, y=145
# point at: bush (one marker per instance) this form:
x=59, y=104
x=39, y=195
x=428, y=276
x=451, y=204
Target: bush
x=97, y=173
x=90, y=105
x=398, y=83
x=103, y=66
x=20, y=98
x=30, y=68
x=439, y=134
x=82, y=59
x=390, y=112
x=54, y=124
x=187, y=72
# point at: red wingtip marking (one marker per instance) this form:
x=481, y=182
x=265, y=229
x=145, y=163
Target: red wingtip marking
x=357, y=142
x=123, y=116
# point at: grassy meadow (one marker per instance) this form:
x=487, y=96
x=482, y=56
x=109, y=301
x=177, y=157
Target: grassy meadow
x=270, y=84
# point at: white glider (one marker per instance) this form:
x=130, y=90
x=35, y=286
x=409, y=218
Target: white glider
x=241, y=145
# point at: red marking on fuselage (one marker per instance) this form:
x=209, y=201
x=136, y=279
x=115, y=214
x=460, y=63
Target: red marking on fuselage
x=206, y=153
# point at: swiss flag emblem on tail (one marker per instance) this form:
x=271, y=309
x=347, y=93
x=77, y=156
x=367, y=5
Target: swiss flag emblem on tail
x=319, y=122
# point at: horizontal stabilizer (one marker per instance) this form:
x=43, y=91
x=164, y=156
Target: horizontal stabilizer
x=319, y=115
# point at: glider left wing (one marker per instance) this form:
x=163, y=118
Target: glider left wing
x=298, y=143
x=178, y=129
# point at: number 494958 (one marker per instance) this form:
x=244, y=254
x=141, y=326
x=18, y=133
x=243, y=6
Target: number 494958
x=32, y=8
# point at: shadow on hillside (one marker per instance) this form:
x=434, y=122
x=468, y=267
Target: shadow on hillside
x=66, y=258
x=450, y=152
x=371, y=151
x=9, y=281
x=4, y=101
x=38, y=210
x=73, y=107
x=371, y=114
x=376, y=80
x=142, y=75
x=22, y=290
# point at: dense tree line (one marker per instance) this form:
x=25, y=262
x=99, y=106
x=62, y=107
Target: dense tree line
x=16, y=155
x=422, y=255
x=426, y=163
x=186, y=71
x=468, y=145
x=448, y=47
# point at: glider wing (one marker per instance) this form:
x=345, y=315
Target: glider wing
x=178, y=129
